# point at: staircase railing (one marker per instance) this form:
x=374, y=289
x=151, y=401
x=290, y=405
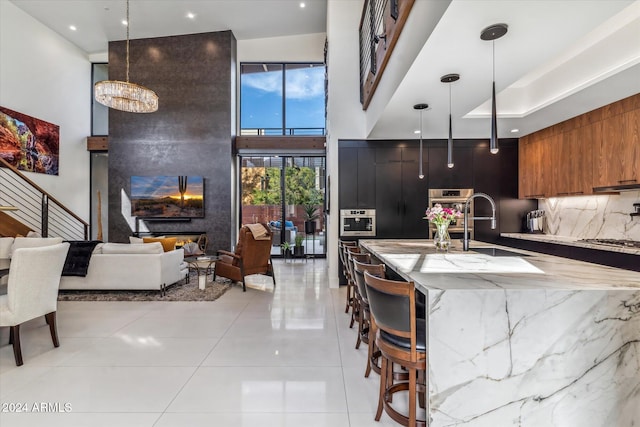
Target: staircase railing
x=37, y=209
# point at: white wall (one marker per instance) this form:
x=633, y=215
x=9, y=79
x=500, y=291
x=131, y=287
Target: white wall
x=301, y=48
x=44, y=76
x=345, y=120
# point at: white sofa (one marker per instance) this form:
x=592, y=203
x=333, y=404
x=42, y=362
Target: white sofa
x=116, y=266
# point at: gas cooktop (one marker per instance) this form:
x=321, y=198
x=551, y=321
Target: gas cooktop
x=614, y=242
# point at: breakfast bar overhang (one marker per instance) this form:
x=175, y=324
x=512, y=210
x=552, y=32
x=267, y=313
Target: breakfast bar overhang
x=521, y=338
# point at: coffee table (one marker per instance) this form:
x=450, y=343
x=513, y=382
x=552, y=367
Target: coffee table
x=202, y=264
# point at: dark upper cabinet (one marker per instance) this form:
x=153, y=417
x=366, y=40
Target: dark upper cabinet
x=388, y=185
x=401, y=197
x=497, y=176
x=357, y=178
x=415, y=192
x=348, y=173
x=460, y=176
x=366, y=178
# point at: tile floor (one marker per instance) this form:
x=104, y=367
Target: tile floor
x=261, y=358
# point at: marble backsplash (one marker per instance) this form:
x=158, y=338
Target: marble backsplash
x=592, y=217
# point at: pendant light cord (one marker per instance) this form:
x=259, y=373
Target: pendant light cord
x=128, y=24
x=420, y=174
x=493, y=56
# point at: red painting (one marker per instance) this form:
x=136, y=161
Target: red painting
x=28, y=143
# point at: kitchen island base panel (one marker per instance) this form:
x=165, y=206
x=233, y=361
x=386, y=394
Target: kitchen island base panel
x=534, y=358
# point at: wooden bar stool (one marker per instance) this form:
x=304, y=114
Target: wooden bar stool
x=355, y=254
x=366, y=326
x=342, y=251
x=401, y=338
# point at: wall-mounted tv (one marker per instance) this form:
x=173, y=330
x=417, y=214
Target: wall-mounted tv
x=167, y=196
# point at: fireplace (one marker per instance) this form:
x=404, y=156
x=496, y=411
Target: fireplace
x=182, y=237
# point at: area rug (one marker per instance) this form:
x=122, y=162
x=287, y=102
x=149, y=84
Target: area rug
x=176, y=292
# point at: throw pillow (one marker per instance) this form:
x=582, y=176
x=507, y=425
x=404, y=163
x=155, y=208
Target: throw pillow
x=191, y=249
x=168, y=244
x=134, y=240
x=126, y=248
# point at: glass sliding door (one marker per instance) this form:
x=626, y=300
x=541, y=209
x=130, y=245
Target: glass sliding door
x=287, y=193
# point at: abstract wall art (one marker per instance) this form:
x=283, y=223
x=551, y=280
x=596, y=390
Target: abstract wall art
x=28, y=143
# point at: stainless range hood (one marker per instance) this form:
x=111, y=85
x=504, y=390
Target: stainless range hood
x=617, y=188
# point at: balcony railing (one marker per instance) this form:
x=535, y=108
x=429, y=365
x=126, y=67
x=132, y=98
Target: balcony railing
x=380, y=27
x=281, y=131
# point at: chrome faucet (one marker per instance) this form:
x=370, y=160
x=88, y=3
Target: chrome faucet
x=492, y=218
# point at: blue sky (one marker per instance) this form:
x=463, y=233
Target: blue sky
x=261, y=99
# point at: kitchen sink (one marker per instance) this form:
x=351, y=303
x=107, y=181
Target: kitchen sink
x=497, y=252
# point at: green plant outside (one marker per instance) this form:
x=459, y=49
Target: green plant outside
x=299, y=189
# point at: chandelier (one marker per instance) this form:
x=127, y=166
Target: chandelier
x=126, y=96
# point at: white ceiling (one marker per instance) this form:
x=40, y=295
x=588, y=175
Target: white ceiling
x=100, y=21
x=559, y=58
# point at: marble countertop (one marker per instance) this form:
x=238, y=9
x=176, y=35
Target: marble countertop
x=570, y=241
x=417, y=260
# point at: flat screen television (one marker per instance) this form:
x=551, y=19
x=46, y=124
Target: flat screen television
x=167, y=196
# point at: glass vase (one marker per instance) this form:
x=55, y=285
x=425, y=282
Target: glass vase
x=441, y=239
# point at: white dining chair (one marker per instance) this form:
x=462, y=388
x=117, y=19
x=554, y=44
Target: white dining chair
x=32, y=291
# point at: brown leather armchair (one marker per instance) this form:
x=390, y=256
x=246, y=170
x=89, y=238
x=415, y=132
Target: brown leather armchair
x=251, y=257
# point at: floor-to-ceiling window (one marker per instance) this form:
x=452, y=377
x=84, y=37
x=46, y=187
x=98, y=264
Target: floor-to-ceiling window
x=288, y=193
x=285, y=191
x=282, y=99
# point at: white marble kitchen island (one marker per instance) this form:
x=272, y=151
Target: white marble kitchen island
x=532, y=341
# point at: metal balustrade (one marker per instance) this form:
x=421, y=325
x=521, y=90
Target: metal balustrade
x=37, y=209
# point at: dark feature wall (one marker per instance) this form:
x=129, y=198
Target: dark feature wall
x=190, y=134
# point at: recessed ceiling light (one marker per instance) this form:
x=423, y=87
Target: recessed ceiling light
x=416, y=131
x=72, y=27
x=515, y=130
x=191, y=15
x=302, y=5
x=124, y=22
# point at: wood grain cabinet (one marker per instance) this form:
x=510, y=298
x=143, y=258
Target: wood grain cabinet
x=597, y=149
x=616, y=156
x=535, y=168
x=573, y=161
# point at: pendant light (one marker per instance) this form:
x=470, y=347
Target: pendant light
x=421, y=108
x=491, y=33
x=450, y=78
x=126, y=96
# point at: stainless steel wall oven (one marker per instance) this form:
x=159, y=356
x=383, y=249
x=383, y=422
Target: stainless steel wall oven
x=358, y=222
